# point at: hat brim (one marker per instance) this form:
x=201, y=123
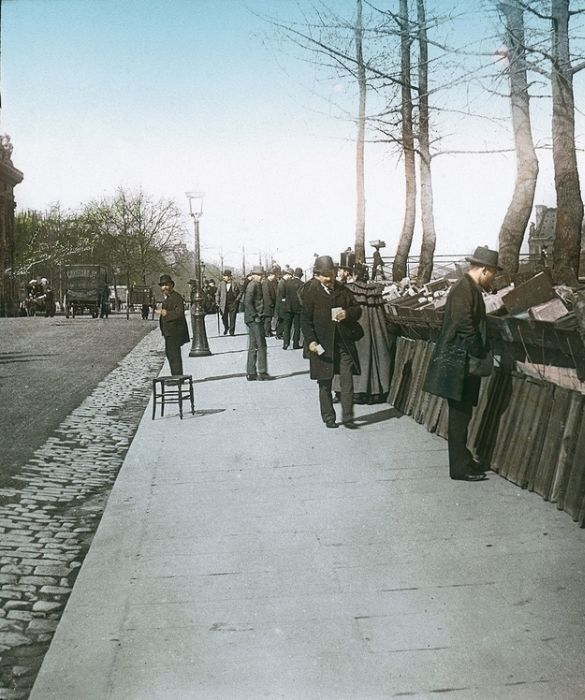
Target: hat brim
x=483, y=263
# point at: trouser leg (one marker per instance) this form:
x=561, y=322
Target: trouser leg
x=279, y=327
x=233, y=316
x=459, y=417
x=286, y=330
x=346, y=379
x=225, y=320
x=173, y=353
x=267, y=325
x=296, y=336
x=262, y=359
x=326, y=400
x=252, y=350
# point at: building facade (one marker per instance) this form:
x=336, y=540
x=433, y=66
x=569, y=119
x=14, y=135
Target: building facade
x=9, y=178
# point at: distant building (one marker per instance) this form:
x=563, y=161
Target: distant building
x=9, y=178
x=541, y=235
x=542, y=230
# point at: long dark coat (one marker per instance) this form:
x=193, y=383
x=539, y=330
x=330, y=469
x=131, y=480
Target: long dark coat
x=253, y=302
x=317, y=326
x=291, y=304
x=174, y=324
x=269, y=296
x=460, y=336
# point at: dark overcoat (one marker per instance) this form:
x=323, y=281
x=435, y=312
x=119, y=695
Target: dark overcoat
x=269, y=296
x=174, y=323
x=317, y=325
x=291, y=304
x=460, y=336
x=278, y=310
x=253, y=302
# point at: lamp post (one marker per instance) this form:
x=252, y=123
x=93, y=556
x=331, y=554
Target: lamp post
x=199, y=345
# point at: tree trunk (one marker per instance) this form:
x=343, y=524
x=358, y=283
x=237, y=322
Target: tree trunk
x=567, y=243
x=360, y=222
x=399, y=269
x=515, y=222
x=429, y=236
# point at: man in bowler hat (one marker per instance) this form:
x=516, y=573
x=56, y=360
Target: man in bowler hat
x=257, y=367
x=329, y=312
x=291, y=310
x=173, y=324
x=228, y=299
x=463, y=334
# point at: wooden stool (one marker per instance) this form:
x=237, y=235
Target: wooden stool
x=173, y=389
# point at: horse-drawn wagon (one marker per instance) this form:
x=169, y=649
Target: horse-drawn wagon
x=86, y=287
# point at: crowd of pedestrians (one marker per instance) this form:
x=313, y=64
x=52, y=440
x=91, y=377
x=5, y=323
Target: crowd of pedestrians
x=338, y=318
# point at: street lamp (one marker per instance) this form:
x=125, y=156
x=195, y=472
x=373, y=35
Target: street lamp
x=199, y=346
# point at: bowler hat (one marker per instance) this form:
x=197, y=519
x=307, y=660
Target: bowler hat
x=324, y=265
x=298, y=272
x=227, y=273
x=484, y=256
x=257, y=270
x=165, y=279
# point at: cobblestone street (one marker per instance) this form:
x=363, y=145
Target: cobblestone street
x=51, y=506
x=47, y=367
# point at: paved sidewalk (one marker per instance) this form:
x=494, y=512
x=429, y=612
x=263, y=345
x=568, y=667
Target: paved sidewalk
x=247, y=552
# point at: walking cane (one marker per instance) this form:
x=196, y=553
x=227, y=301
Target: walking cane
x=217, y=312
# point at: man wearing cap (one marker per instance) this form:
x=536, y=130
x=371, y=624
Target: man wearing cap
x=463, y=334
x=291, y=310
x=173, y=324
x=329, y=313
x=257, y=368
x=229, y=294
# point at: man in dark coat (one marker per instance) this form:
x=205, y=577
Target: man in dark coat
x=328, y=313
x=463, y=334
x=291, y=310
x=228, y=299
x=173, y=324
x=257, y=367
x=278, y=309
x=269, y=285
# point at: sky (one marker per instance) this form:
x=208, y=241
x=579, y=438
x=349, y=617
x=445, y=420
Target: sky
x=179, y=95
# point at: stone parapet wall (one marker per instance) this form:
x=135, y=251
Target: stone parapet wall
x=529, y=430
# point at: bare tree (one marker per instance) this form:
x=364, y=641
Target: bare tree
x=429, y=236
x=138, y=232
x=360, y=219
x=399, y=268
x=516, y=219
x=567, y=243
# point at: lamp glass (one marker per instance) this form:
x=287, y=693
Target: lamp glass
x=195, y=203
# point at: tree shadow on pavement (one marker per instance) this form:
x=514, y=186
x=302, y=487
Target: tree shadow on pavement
x=379, y=416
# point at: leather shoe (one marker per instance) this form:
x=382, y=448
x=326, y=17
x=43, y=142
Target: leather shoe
x=469, y=477
x=297, y=347
x=331, y=424
x=285, y=347
x=251, y=377
x=225, y=332
x=264, y=377
x=352, y=425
